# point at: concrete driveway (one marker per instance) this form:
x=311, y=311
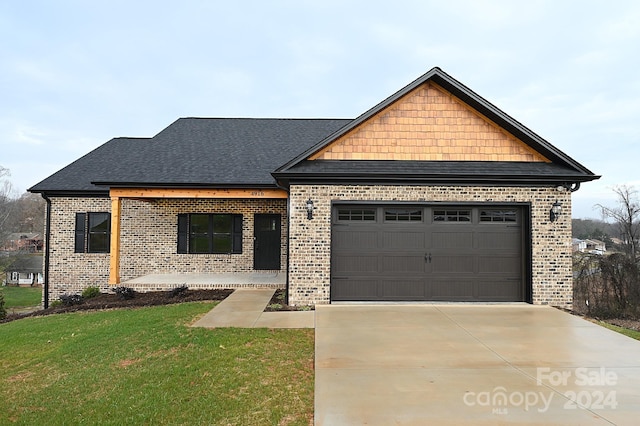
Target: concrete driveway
x=471, y=364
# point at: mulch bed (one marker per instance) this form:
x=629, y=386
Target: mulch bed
x=111, y=301
x=277, y=303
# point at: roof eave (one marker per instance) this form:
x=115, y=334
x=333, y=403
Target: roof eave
x=183, y=185
x=287, y=178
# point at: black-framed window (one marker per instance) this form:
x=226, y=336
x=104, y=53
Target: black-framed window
x=92, y=232
x=203, y=233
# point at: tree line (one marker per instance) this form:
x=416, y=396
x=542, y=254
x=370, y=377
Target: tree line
x=609, y=286
x=19, y=212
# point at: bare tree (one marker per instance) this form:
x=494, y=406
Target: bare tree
x=626, y=216
x=6, y=202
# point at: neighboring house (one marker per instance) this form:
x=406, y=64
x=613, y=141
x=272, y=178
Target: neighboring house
x=595, y=246
x=25, y=271
x=433, y=194
x=29, y=242
x=616, y=241
x=579, y=245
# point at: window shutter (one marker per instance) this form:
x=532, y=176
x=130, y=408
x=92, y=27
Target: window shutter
x=81, y=232
x=237, y=234
x=183, y=233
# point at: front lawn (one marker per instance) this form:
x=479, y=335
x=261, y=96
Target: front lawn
x=146, y=366
x=17, y=297
x=634, y=334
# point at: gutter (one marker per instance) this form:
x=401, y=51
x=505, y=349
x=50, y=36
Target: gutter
x=46, y=250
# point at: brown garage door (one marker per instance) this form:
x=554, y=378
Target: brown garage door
x=438, y=253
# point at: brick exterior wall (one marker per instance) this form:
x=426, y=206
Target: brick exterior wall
x=148, y=242
x=71, y=272
x=149, y=237
x=310, y=242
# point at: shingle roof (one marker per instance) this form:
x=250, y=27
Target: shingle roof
x=31, y=263
x=77, y=176
x=194, y=152
x=247, y=152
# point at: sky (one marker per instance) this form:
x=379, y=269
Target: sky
x=74, y=74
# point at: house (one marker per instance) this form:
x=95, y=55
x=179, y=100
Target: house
x=25, y=271
x=433, y=194
x=579, y=245
x=594, y=246
x=29, y=242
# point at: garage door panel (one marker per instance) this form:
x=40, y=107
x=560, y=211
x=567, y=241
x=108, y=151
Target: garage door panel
x=497, y=240
x=452, y=289
x=355, y=289
x=403, y=289
x=403, y=264
x=405, y=240
x=453, y=264
x=355, y=264
x=451, y=239
x=499, y=290
x=499, y=265
x=350, y=239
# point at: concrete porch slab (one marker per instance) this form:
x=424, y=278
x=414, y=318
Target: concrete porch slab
x=219, y=280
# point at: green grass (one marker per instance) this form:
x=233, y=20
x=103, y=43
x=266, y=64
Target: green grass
x=16, y=297
x=146, y=366
x=627, y=332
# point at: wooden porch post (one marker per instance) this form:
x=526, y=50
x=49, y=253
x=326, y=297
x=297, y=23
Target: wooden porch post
x=114, y=261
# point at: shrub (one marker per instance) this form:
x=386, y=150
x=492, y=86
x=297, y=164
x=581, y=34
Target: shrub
x=55, y=304
x=125, y=293
x=178, y=291
x=3, y=311
x=90, y=292
x=71, y=299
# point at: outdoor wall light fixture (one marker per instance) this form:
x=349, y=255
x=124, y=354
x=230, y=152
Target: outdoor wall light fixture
x=555, y=211
x=309, y=209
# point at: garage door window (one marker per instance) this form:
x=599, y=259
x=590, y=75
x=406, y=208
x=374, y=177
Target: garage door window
x=348, y=214
x=403, y=215
x=498, y=216
x=452, y=215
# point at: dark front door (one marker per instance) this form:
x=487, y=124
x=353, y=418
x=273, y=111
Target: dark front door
x=266, y=244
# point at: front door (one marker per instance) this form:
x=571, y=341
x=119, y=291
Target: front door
x=266, y=242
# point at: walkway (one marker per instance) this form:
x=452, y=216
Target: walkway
x=244, y=308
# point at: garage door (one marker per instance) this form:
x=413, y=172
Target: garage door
x=433, y=253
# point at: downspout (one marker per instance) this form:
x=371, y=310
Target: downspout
x=46, y=250
x=286, y=300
